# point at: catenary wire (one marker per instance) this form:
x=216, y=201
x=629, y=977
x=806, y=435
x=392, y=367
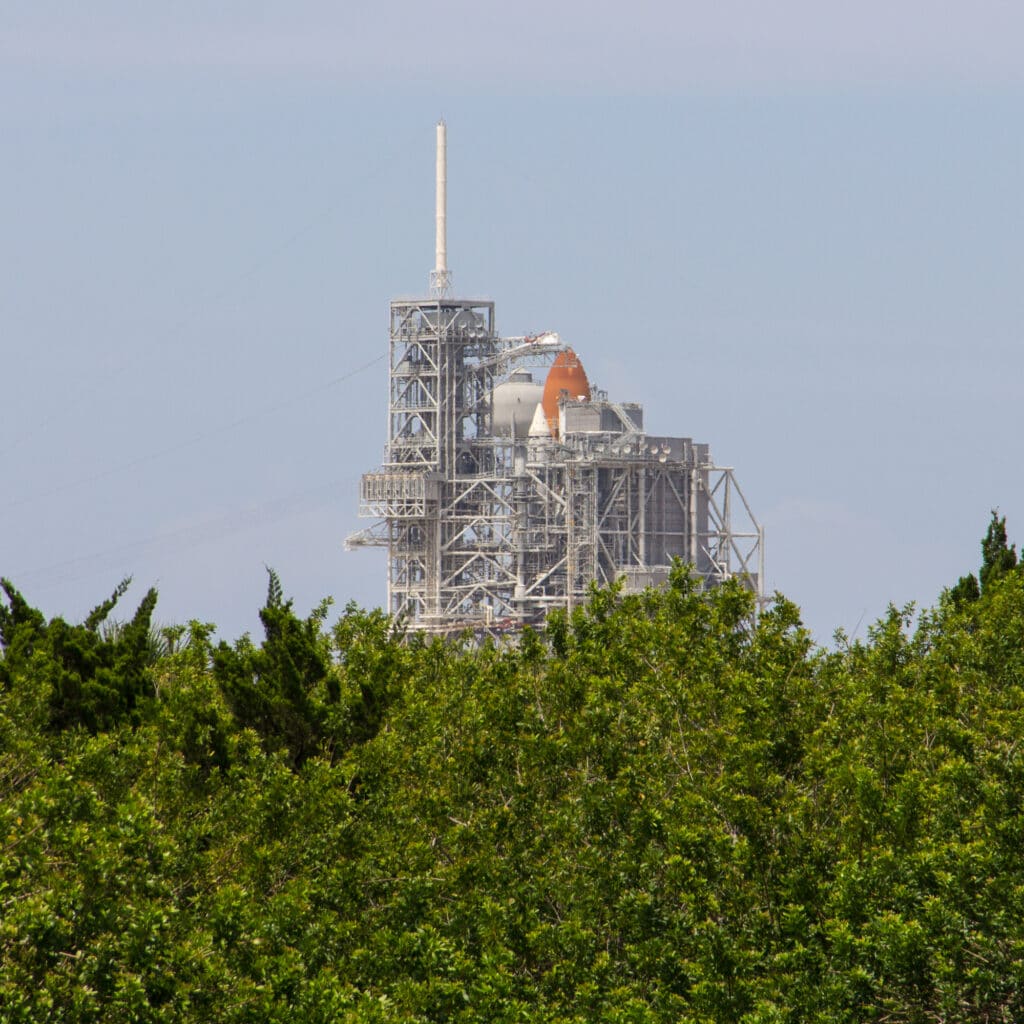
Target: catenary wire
x=191, y=441
x=183, y=538
x=202, y=305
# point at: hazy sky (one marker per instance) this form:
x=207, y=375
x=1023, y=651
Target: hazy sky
x=796, y=235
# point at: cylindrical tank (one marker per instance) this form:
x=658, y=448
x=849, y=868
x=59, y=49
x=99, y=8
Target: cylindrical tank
x=566, y=374
x=513, y=405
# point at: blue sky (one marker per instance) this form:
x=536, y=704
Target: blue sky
x=798, y=237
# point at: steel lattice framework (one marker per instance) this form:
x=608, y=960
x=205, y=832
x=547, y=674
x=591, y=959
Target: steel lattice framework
x=489, y=526
x=489, y=531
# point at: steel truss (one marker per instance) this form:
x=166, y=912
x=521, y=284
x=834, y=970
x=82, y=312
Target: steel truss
x=489, y=533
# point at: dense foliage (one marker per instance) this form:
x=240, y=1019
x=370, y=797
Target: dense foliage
x=659, y=808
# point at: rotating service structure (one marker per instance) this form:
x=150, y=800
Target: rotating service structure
x=502, y=496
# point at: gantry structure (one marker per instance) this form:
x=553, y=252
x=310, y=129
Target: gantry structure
x=493, y=514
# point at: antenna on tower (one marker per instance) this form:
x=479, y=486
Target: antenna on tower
x=441, y=276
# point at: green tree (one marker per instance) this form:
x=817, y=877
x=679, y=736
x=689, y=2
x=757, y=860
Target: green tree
x=997, y=557
x=657, y=808
x=94, y=680
x=281, y=689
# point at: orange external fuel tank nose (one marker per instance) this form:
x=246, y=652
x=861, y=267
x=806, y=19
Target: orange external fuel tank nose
x=566, y=374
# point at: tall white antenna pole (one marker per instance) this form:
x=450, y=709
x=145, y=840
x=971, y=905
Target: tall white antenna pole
x=440, y=276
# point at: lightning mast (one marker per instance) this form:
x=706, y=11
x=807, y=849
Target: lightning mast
x=441, y=276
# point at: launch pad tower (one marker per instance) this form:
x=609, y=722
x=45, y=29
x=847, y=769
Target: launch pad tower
x=501, y=498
